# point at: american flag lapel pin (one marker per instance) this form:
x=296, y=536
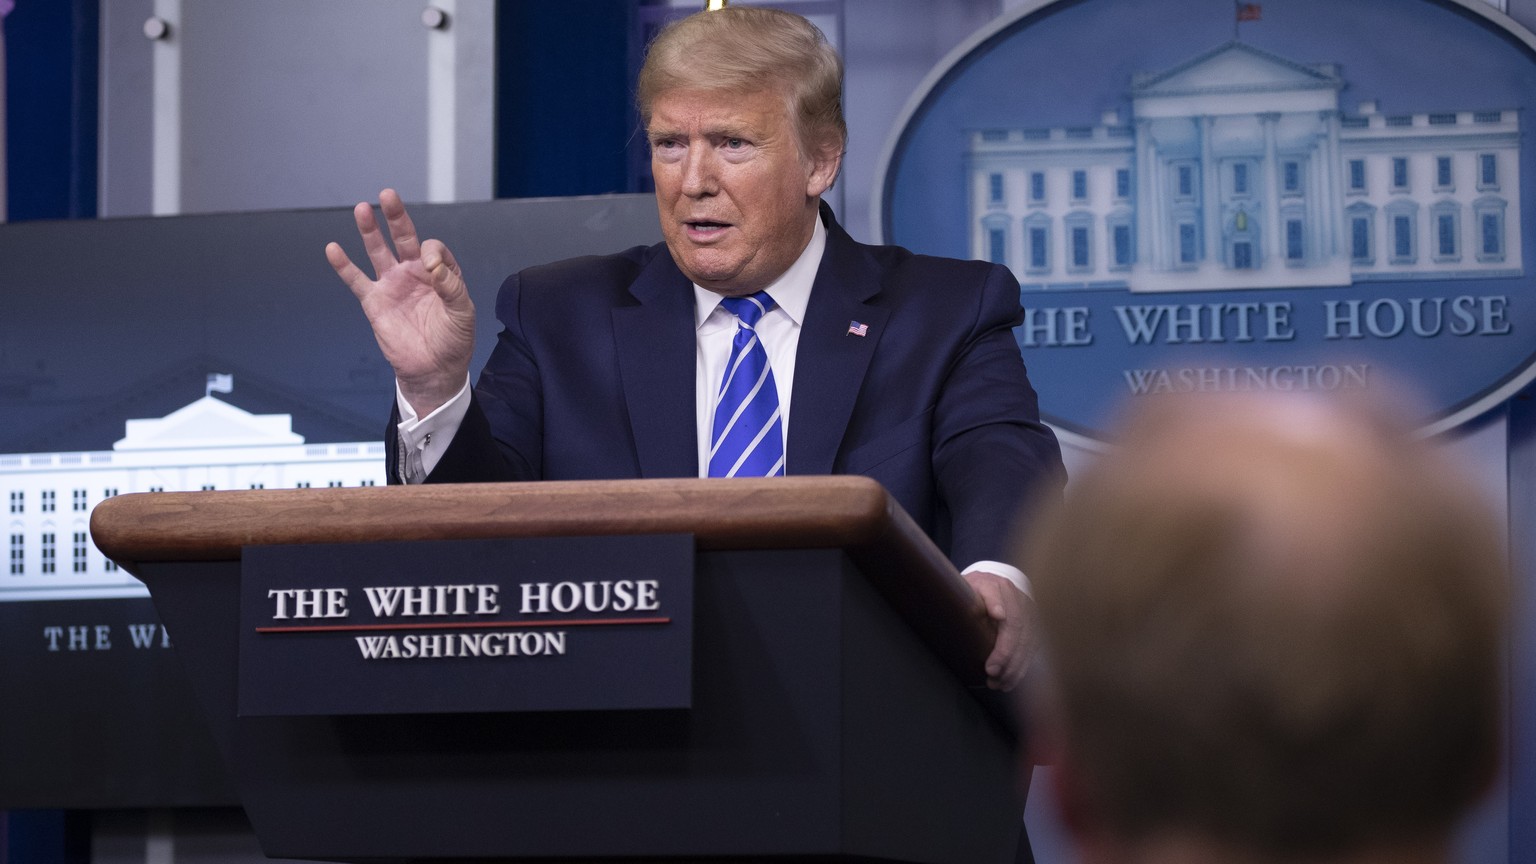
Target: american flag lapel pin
x=857, y=329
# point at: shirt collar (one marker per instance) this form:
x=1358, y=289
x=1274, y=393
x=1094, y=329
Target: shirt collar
x=791, y=291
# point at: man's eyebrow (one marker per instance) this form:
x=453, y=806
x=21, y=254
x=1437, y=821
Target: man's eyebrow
x=732, y=129
x=724, y=129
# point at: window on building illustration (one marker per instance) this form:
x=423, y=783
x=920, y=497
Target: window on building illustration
x=109, y=492
x=258, y=485
x=995, y=188
x=1240, y=178
x=1121, y=240
x=1039, y=248
x=48, y=501
x=997, y=246
x=109, y=565
x=78, y=564
x=18, y=502
x=1122, y=182
x=1487, y=171
x=1443, y=174
x=18, y=555
x=79, y=501
x=1037, y=186
x=48, y=560
x=1081, y=257
x=367, y=483
x=1185, y=180
x=334, y=484
x=1079, y=185
x=157, y=488
x=302, y=484
x=1291, y=177
x=1399, y=172
x=1357, y=175
x=1360, y=239
x=994, y=237
x=1493, y=235
x=1402, y=238
x=1490, y=230
x=1242, y=255
x=207, y=487
x=1295, y=249
x=1187, y=250
x=1445, y=236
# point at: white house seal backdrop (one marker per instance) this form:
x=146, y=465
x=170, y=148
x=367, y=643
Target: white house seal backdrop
x=1205, y=195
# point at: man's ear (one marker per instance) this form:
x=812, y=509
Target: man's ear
x=825, y=162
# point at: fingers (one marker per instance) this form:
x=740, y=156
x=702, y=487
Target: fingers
x=1012, y=611
x=989, y=595
x=439, y=261
x=447, y=280
x=373, y=240
x=349, y=273
x=402, y=232
x=1009, y=657
x=401, y=229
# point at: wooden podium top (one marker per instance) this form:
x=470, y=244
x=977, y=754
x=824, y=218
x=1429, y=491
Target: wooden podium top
x=852, y=513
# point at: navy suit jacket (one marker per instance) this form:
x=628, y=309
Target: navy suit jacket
x=593, y=378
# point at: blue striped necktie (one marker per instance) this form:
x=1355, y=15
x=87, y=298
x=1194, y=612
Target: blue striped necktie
x=747, y=439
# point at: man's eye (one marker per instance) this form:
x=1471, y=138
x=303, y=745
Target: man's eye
x=735, y=143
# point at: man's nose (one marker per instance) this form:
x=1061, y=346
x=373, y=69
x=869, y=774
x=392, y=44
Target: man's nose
x=699, y=173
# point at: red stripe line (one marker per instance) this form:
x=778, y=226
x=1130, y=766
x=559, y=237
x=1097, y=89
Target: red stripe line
x=464, y=625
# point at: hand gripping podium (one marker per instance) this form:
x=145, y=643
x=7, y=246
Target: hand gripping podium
x=833, y=705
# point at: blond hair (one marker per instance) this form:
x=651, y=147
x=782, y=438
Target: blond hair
x=743, y=49
x=1277, y=623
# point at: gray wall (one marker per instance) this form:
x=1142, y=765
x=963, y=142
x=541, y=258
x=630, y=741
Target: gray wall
x=291, y=103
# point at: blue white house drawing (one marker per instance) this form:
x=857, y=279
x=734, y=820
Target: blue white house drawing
x=1237, y=169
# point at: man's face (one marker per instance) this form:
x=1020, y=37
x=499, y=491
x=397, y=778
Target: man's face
x=736, y=196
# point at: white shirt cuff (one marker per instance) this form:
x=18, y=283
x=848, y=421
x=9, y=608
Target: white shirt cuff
x=423, y=440
x=1007, y=571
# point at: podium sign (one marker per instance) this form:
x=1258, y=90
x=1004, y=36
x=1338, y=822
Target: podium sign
x=444, y=627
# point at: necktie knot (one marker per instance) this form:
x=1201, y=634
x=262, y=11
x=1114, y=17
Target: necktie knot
x=750, y=309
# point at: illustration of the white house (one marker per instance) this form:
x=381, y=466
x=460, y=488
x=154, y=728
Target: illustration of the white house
x=1238, y=169
x=206, y=445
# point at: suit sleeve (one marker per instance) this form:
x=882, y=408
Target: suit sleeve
x=500, y=438
x=992, y=455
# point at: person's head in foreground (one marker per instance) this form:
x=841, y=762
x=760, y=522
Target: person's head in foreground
x=1273, y=629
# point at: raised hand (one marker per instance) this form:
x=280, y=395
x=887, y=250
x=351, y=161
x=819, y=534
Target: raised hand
x=417, y=304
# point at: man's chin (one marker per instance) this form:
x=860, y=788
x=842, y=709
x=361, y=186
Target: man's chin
x=719, y=277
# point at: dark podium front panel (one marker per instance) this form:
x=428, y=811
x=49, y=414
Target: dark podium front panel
x=832, y=718
x=822, y=727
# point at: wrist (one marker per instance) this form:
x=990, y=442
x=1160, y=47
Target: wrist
x=427, y=393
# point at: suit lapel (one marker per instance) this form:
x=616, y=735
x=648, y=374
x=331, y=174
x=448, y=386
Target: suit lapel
x=655, y=345
x=830, y=362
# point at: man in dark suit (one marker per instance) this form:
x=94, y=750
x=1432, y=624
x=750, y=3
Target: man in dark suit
x=898, y=366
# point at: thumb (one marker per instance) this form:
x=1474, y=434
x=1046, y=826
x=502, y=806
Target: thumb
x=447, y=281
